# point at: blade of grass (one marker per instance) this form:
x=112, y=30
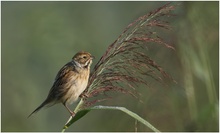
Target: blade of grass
x=83, y=112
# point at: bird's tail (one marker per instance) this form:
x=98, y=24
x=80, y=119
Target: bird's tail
x=38, y=108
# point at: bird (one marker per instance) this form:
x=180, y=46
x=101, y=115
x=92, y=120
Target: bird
x=70, y=82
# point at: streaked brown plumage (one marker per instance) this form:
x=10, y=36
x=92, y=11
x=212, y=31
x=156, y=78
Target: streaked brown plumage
x=70, y=82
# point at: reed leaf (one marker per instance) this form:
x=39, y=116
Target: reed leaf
x=83, y=112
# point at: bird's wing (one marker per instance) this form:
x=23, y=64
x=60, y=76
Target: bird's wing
x=62, y=77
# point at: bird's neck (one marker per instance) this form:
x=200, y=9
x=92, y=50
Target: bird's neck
x=77, y=64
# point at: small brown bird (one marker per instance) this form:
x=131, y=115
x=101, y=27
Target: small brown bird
x=70, y=82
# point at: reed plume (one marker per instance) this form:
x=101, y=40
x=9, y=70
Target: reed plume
x=126, y=62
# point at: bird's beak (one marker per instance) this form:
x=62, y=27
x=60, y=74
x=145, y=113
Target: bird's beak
x=92, y=57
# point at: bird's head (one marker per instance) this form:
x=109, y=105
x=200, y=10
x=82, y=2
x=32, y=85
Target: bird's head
x=84, y=59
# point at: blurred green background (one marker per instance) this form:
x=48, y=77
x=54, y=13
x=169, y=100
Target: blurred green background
x=38, y=38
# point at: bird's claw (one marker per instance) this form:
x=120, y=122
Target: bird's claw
x=84, y=96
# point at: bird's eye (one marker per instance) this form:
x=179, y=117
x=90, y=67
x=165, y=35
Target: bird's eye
x=84, y=57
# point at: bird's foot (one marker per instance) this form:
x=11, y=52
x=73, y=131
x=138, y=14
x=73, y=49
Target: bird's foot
x=72, y=114
x=84, y=96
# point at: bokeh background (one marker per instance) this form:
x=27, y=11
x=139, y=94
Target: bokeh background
x=38, y=38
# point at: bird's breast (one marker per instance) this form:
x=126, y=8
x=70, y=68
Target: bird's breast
x=78, y=83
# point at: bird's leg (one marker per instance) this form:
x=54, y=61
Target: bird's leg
x=71, y=112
